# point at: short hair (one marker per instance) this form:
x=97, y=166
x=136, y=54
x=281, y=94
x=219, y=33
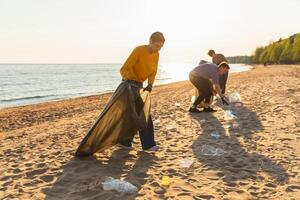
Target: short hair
x=157, y=37
x=211, y=52
x=224, y=64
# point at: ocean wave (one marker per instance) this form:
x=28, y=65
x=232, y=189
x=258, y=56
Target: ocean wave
x=28, y=98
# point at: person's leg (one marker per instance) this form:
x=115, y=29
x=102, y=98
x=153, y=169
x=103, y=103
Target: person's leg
x=208, y=97
x=147, y=135
x=201, y=85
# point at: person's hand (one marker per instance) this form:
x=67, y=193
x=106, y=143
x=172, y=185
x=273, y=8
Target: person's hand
x=224, y=101
x=148, y=88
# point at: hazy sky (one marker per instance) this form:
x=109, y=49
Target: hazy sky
x=105, y=31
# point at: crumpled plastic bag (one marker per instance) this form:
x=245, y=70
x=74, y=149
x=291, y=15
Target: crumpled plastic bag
x=120, y=186
x=235, y=97
x=208, y=150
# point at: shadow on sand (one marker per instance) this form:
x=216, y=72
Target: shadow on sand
x=236, y=163
x=81, y=178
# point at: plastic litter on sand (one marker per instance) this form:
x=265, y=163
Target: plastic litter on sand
x=215, y=135
x=186, y=163
x=165, y=181
x=208, y=150
x=120, y=186
x=229, y=115
x=234, y=97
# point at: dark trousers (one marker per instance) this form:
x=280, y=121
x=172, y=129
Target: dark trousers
x=204, y=87
x=147, y=134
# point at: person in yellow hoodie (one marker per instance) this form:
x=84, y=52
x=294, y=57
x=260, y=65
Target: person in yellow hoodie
x=141, y=65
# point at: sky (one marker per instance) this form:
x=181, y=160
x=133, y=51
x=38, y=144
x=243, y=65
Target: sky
x=106, y=31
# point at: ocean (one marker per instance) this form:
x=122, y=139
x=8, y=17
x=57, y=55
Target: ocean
x=22, y=84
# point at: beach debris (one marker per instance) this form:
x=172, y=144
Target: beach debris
x=165, y=181
x=208, y=150
x=120, y=186
x=177, y=104
x=215, y=135
x=185, y=163
x=193, y=99
x=238, y=104
x=226, y=126
x=235, y=125
x=202, y=121
x=229, y=115
x=235, y=97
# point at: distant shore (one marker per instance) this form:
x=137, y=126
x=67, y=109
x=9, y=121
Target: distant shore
x=258, y=154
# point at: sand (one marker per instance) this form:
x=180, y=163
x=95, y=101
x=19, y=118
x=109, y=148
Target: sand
x=258, y=158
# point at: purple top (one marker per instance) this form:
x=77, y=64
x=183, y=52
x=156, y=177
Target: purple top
x=208, y=71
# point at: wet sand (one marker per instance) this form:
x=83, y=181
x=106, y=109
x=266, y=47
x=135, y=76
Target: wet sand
x=258, y=156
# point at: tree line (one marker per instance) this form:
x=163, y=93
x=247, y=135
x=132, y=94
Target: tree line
x=283, y=51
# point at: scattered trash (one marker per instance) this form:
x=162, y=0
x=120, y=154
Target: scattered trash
x=235, y=97
x=238, y=104
x=226, y=126
x=185, y=163
x=165, y=181
x=193, y=99
x=202, y=121
x=215, y=135
x=177, y=104
x=120, y=186
x=208, y=150
x=229, y=115
x=235, y=125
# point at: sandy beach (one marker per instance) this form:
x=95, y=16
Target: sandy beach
x=258, y=154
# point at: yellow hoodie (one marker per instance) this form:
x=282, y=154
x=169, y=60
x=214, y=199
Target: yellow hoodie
x=140, y=65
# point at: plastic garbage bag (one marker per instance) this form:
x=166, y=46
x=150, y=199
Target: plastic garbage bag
x=215, y=135
x=186, y=163
x=120, y=186
x=235, y=97
x=208, y=150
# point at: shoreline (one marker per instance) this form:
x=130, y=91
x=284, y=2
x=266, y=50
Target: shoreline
x=258, y=156
x=104, y=93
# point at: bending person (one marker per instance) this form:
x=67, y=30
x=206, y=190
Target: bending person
x=205, y=78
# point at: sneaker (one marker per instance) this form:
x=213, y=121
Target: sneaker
x=152, y=149
x=194, y=110
x=209, y=109
x=121, y=146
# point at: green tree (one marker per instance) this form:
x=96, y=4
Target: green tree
x=296, y=49
x=257, y=53
x=276, y=52
x=286, y=55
